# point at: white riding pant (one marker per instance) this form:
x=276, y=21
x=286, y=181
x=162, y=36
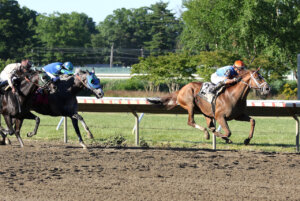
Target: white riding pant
x=216, y=79
x=49, y=74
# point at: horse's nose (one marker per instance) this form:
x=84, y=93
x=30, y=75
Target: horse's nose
x=266, y=89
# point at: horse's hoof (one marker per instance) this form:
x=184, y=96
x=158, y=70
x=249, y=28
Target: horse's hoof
x=247, y=141
x=30, y=134
x=83, y=145
x=7, y=141
x=206, y=133
x=90, y=135
x=228, y=141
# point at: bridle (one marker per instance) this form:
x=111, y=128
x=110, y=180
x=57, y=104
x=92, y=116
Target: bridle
x=79, y=78
x=253, y=79
x=29, y=81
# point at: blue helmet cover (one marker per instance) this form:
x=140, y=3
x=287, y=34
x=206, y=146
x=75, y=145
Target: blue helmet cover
x=93, y=81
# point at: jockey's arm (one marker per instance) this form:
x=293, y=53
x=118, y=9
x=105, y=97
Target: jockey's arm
x=10, y=76
x=51, y=75
x=228, y=81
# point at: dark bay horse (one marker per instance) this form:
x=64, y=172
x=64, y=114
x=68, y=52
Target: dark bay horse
x=16, y=106
x=63, y=101
x=229, y=105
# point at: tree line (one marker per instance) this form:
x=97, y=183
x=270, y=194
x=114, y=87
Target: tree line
x=261, y=32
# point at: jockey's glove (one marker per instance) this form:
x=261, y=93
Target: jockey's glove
x=237, y=79
x=55, y=79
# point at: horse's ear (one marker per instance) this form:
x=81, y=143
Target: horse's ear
x=77, y=70
x=258, y=69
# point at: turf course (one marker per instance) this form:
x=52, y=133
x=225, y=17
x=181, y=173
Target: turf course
x=158, y=130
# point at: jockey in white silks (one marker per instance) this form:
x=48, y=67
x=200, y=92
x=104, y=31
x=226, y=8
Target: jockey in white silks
x=8, y=73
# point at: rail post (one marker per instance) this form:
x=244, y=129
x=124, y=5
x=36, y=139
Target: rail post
x=137, y=128
x=297, y=132
x=298, y=75
x=214, y=140
x=65, y=130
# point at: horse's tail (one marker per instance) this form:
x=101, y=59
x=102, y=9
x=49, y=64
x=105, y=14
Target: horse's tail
x=168, y=101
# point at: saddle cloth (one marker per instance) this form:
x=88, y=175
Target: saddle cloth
x=205, y=93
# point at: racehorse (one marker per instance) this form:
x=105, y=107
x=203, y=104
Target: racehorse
x=229, y=105
x=16, y=106
x=63, y=102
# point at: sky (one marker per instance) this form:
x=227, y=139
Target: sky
x=96, y=9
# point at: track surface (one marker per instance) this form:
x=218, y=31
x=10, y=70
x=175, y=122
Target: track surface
x=55, y=171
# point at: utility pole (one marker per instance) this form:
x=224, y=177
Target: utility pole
x=111, y=55
x=298, y=75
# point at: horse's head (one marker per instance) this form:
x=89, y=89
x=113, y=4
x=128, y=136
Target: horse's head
x=254, y=80
x=27, y=81
x=91, y=82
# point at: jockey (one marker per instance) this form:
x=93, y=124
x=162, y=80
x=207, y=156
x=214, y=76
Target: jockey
x=53, y=70
x=226, y=75
x=8, y=72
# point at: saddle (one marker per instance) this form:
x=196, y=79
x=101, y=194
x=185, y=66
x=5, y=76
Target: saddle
x=206, y=94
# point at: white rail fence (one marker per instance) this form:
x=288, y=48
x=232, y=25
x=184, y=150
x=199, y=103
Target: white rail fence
x=265, y=108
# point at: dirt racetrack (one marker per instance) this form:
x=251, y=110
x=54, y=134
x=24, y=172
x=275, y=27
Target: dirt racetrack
x=46, y=170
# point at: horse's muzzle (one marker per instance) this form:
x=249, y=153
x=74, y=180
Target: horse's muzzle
x=265, y=90
x=98, y=93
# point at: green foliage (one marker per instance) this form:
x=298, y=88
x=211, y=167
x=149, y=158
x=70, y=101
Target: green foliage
x=123, y=84
x=171, y=69
x=3, y=63
x=149, y=30
x=207, y=62
x=116, y=141
x=143, y=143
x=61, y=31
x=289, y=91
x=16, y=30
x=164, y=28
x=249, y=28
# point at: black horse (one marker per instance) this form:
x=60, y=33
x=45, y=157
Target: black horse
x=16, y=106
x=63, y=102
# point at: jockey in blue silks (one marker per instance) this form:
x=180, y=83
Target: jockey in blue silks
x=53, y=70
x=226, y=75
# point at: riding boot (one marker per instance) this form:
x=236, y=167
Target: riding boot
x=217, y=87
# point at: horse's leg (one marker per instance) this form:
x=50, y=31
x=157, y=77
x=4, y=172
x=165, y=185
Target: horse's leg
x=9, y=123
x=37, y=123
x=223, y=123
x=18, y=125
x=75, y=125
x=245, y=117
x=210, y=124
x=86, y=128
x=191, y=121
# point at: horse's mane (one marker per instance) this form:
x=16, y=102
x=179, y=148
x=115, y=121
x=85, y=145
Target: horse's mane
x=245, y=72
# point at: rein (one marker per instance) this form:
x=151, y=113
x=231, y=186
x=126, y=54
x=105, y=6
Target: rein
x=77, y=76
x=258, y=86
x=28, y=80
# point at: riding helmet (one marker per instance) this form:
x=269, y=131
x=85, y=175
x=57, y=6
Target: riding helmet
x=68, y=65
x=239, y=64
x=67, y=68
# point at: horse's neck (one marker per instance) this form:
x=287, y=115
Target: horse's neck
x=239, y=92
x=77, y=86
x=27, y=87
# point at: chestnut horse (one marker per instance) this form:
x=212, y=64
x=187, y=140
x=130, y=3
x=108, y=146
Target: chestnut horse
x=230, y=104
